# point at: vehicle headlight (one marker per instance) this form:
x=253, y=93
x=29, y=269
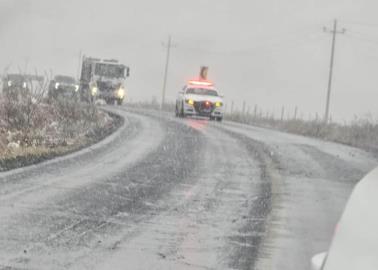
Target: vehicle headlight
x=190, y=101
x=57, y=85
x=218, y=104
x=24, y=85
x=76, y=88
x=9, y=83
x=121, y=93
x=94, y=91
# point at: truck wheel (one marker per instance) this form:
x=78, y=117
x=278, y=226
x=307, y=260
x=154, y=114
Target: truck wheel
x=219, y=119
x=119, y=102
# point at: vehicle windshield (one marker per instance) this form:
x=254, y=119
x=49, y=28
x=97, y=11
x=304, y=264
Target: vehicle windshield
x=110, y=70
x=202, y=91
x=65, y=79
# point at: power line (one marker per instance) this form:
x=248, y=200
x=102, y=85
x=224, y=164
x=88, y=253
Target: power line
x=370, y=45
x=367, y=24
x=272, y=46
x=334, y=32
x=362, y=37
x=276, y=41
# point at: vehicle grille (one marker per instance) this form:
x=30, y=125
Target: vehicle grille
x=105, y=86
x=204, y=107
x=67, y=88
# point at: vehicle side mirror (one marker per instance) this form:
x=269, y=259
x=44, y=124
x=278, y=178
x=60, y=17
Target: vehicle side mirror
x=317, y=262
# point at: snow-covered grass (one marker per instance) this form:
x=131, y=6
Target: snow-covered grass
x=34, y=129
x=361, y=132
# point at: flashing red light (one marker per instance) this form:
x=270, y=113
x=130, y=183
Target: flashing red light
x=203, y=83
x=207, y=103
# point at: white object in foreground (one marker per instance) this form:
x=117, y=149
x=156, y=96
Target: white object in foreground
x=318, y=261
x=355, y=243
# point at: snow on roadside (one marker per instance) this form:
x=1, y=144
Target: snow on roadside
x=33, y=132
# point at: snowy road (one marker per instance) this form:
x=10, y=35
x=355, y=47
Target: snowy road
x=166, y=193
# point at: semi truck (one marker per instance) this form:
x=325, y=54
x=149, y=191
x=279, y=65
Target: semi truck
x=103, y=79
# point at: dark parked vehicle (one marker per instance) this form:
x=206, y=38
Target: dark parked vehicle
x=16, y=86
x=63, y=86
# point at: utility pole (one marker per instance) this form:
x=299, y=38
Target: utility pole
x=244, y=107
x=168, y=46
x=334, y=32
x=79, y=65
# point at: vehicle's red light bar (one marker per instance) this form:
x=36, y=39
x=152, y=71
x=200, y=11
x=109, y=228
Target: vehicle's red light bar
x=204, y=83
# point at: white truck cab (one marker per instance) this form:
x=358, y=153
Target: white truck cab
x=200, y=98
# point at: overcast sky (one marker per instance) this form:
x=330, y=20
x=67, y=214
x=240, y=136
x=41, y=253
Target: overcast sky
x=272, y=53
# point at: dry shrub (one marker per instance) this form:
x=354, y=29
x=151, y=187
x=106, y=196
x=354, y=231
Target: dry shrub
x=38, y=123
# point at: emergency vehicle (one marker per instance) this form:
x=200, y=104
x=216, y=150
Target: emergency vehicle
x=199, y=97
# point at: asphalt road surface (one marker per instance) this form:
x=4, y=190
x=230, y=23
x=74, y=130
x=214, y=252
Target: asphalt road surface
x=167, y=193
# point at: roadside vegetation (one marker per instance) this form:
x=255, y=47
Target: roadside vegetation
x=361, y=132
x=33, y=128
